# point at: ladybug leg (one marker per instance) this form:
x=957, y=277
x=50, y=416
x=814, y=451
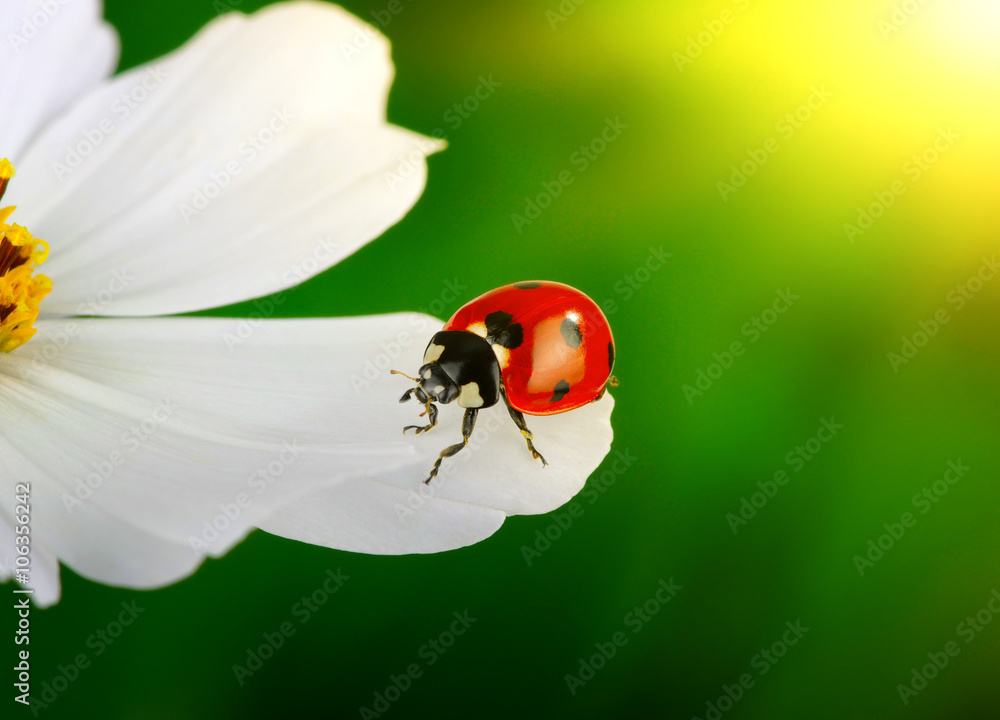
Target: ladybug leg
x=431, y=410
x=432, y=416
x=518, y=419
x=468, y=423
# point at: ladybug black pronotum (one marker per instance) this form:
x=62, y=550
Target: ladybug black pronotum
x=542, y=347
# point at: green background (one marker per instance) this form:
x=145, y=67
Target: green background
x=666, y=515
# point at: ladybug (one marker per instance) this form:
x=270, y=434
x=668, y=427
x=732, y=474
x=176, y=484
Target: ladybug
x=540, y=346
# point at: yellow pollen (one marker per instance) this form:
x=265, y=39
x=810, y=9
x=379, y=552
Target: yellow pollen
x=20, y=292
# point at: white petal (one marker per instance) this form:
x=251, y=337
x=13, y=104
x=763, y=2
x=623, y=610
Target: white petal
x=169, y=429
x=391, y=511
x=382, y=516
x=43, y=565
x=50, y=54
x=253, y=158
x=44, y=579
x=80, y=399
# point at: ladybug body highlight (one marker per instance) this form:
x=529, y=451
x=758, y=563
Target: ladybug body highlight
x=540, y=346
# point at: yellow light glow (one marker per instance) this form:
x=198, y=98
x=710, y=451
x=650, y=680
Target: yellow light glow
x=965, y=30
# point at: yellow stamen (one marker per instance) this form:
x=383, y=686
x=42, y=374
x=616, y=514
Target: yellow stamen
x=20, y=292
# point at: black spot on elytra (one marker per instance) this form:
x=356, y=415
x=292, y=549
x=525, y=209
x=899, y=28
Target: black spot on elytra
x=571, y=333
x=611, y=356
x=500, y=331
x=497, y=321
x=530, y=285
x=562, y=387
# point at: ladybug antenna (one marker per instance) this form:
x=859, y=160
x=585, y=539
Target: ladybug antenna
x=397, y=372
x=612, y=381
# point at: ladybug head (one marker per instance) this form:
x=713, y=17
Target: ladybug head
x=458, y=365
x=437, y=384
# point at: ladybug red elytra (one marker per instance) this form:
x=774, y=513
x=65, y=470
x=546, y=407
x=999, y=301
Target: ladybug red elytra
x=540, y=346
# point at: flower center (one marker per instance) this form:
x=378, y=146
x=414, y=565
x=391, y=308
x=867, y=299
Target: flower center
x=20, y=291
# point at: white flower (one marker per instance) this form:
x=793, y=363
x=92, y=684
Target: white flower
x=247, y=161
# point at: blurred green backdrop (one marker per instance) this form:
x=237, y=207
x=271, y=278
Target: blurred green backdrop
x=820, y=107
